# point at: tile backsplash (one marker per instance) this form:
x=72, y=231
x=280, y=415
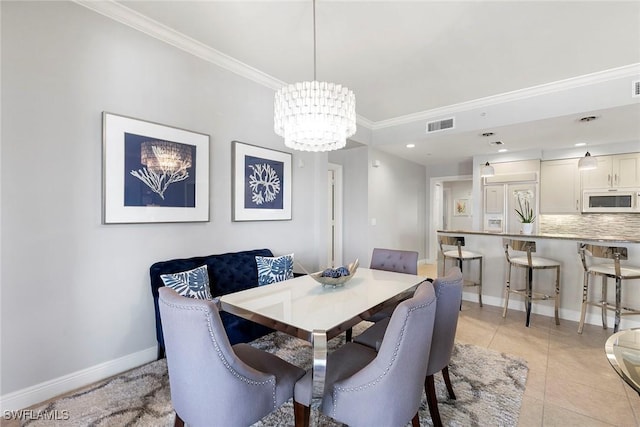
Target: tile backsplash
x=610, y=225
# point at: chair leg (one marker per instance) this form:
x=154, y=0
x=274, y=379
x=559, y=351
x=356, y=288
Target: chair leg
x=480, y=282
x=604, y=303
x=432, y=401
x=348, y=335
x=178, y=422
x=529, y=294
x=507, y=291
x=415, y=421
x=585, y=293
x=301, y=414
x=447, y=382
x=618, y=303
x=557, y=295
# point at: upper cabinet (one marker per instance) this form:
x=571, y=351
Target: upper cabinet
x=618, y=171
x=559, y=186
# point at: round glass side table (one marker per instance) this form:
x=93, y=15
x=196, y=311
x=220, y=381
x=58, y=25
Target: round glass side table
x=623, y=352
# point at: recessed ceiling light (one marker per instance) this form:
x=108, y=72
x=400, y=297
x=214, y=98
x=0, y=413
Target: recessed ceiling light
x=496, y=143
x=487, y=134
x=502, y=150
x=411, y=145
x=580, y=144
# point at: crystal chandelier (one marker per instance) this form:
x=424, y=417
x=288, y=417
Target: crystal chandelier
x=314, y=116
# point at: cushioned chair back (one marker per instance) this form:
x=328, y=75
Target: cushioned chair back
x=208, y=381
x=395, y=260
x=448, y=291
x=392, y=383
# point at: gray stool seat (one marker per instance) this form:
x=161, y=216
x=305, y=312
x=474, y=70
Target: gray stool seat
x=514, y=250
x=591, y=257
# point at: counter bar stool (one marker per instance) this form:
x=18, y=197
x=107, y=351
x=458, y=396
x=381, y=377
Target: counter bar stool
x=606, y=270
x=530, y=263
x=451, y=248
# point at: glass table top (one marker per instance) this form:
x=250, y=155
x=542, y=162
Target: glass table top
x=623, y=352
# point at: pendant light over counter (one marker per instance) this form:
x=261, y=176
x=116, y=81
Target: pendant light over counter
x=487, y=170
x=587, y=162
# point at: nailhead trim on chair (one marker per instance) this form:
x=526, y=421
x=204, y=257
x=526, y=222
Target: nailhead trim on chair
x=221, y=356
x=395, y=354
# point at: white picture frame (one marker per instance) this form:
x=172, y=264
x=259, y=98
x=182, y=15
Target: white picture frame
x=134, y=192
x=261, y=183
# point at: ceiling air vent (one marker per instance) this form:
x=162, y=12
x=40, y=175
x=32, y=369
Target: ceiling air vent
x=439, y=125
x=636, y=89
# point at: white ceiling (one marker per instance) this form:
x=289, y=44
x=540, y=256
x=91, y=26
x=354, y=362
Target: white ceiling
x=525, y=70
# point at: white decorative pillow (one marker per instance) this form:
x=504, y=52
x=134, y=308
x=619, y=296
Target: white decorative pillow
x=193, y=283
x=274, y=269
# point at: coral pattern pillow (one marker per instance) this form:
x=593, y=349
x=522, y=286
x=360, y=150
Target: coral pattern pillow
x=193, y=283
x=274, y=269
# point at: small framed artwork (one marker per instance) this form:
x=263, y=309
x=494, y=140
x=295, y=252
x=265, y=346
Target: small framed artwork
x=461, y=207
x=261, y=183
x=153, y=172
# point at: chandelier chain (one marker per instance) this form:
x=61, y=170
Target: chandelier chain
x=314, y=40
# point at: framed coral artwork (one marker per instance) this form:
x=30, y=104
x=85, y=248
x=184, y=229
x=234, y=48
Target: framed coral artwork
x=261, y=183
x=153, y=172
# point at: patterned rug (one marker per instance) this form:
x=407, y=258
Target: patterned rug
x=488, y=386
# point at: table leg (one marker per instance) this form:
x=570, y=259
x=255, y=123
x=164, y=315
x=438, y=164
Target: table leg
x=319, y=345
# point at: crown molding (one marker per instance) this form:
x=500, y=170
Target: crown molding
x=155, y=29
x=544, y=89
x=144, y=24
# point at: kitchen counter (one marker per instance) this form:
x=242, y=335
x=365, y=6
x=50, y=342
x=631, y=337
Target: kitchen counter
x=587, y=238
x=561, y=247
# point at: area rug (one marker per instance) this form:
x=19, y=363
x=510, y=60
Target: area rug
x=488, y=386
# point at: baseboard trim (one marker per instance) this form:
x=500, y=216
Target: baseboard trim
x=40, y=392
x=546, y=308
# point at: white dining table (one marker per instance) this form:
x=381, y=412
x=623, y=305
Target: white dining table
x=306, y=309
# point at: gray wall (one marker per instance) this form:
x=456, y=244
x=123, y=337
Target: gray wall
x=75, y=292
x=397, y=190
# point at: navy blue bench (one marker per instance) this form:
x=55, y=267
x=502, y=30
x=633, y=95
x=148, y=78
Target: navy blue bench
x=229, y=272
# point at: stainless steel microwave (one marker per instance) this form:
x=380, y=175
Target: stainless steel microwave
x=610, y=201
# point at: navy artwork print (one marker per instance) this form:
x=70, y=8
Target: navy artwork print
x=263, y=183
x=158, y=172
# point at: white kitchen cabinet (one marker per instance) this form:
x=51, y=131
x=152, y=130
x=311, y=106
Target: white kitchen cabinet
x=559, y=187
x=617, y=171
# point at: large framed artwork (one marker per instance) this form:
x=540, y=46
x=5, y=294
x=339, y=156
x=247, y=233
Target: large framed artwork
x=153, y=172
x=261, y=183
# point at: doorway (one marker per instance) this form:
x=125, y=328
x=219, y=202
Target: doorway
x=444, y=192
x=334, y=215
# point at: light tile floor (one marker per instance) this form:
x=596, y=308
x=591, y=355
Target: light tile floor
x=570, y=381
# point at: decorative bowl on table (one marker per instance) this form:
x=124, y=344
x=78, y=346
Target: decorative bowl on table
x=336, y=276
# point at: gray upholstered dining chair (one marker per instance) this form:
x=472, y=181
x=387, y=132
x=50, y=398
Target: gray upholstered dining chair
x=365, y=388
x=209, y=378
x=396, y=260
x=448, y=291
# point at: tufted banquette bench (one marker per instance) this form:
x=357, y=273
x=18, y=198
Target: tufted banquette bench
x=229, y=272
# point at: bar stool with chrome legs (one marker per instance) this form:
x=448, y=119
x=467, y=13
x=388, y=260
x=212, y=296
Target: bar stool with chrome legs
x=451, y=248
x=606, y=270
x=530, y=263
